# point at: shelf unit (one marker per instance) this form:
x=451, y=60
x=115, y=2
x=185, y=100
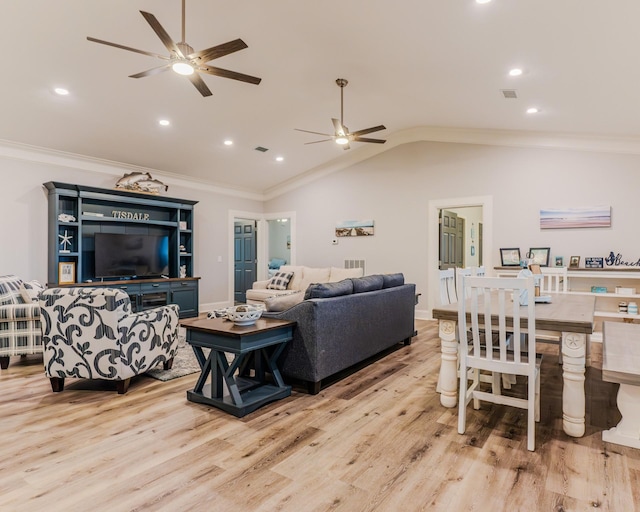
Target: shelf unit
x=581, y=281
x=77, y=213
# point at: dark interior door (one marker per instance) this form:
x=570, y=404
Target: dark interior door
x=448, y=239
x=245, y=263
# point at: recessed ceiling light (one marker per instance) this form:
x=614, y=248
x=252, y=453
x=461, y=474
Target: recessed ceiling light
x=228, y=142
x=61, y=91
x=483, y=1
x=515, y=72
x=164, y=122
x=532, y=110
x=279, y=159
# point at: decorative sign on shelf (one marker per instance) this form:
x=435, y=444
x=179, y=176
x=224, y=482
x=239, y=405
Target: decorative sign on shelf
x=141, y=182
x=616, y=260
x=593, y=262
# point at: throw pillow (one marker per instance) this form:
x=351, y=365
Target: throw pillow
x=280, y=281
x=283, y=302
x=392, y=280
x=326, y=290
x=367, y=283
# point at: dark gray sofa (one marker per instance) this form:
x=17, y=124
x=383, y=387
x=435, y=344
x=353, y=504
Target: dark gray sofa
x=335, y=333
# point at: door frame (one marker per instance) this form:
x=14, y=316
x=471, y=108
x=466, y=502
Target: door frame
x=433, y=242
x=262, y=242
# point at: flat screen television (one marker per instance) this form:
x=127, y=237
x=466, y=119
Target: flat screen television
x=129, y=255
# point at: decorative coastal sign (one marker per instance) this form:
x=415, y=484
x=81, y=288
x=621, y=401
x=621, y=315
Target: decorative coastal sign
x=593, y=262
x=354, y=228
x=594, y=217
x=616, y=260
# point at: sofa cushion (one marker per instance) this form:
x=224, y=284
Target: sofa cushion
x=367, y=283
x=338, y=274
x=312, y=275
x=283, y=302
x=276, y=263
x=280, y=281
x=296, y=280
x=392, y=280
x=326, y=290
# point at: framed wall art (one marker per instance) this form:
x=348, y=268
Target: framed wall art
x=510, y=257
x=539, y=255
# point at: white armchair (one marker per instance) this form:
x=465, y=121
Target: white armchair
x=91, y=333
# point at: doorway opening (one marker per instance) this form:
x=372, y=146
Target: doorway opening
x=477, y=213
x=255, y=239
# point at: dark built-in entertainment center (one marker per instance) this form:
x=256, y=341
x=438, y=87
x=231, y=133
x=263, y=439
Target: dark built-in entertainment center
x=151, y=257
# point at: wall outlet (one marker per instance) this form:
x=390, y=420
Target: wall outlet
x=334, y=241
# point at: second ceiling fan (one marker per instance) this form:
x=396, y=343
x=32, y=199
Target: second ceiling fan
x=342, y=135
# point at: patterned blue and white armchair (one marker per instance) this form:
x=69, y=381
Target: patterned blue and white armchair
x=19, y=318
x=91, y=333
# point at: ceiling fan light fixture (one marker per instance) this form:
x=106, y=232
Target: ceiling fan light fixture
x=183, y=68
x=342, y=140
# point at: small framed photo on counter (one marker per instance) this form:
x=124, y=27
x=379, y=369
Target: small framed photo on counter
x=539, y=255
x=66, y=272
x=559, y=261
x=574, y=262
x=510, y=257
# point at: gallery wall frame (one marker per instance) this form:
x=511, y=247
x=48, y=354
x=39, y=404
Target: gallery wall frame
x=566, y=218
x=355, y=228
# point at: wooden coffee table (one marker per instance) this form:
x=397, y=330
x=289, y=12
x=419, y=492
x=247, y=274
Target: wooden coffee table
x=250, y=344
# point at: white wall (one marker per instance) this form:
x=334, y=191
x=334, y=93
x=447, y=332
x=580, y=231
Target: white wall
x=394, y=188
x=23, y=206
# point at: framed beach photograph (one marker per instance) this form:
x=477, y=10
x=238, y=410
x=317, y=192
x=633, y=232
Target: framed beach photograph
x=510, y=257
x=66, y=272
x=574, y=262
x=539, y=255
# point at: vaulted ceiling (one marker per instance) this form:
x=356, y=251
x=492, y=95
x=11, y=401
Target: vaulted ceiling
x=411, y=65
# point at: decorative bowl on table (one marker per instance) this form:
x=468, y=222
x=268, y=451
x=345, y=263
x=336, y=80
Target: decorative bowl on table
x=244, y=314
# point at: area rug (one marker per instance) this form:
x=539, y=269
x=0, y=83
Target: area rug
x=184, y=363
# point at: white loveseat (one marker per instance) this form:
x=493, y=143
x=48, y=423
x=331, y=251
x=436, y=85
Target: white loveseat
x=302, y=278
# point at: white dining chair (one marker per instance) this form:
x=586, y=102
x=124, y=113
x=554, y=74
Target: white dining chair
x=448, y=287
x=489, y=349
x=554, y=280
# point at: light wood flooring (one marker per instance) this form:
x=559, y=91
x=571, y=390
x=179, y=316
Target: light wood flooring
x=376, y=440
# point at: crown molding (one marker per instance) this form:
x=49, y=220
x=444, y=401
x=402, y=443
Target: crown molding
x=29, y=153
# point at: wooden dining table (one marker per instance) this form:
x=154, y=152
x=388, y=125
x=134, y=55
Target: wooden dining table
x=569, y=314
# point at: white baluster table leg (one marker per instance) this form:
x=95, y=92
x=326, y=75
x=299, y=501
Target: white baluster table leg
x=448, y=378
x=627, y=433
x=573, y=400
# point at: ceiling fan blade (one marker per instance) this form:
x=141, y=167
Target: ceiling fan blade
x=369, y=130
x=337, y=126
x=116, y=45
x=315, y=133
x=215, y=52
x=364, y=139
x=152, y=71
x=316, y=141
x=162, y=34
x=197, y=80
x=230, y=74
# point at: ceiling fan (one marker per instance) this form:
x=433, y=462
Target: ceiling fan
x=183, y=59
x=342, y=135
